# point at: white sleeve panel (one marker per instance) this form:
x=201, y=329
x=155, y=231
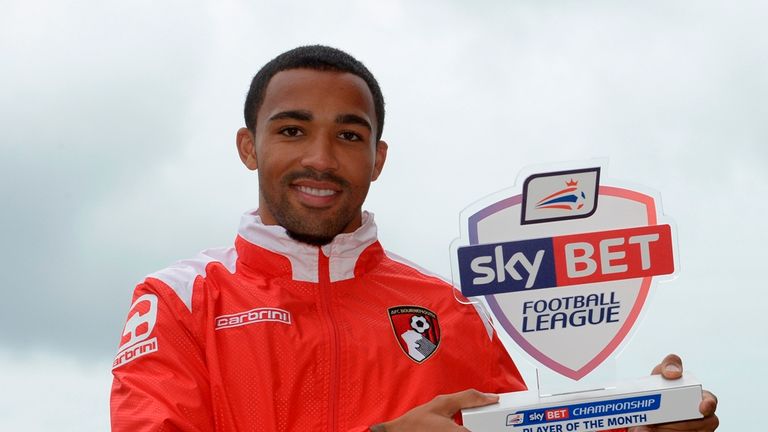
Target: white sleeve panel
x=181, y=275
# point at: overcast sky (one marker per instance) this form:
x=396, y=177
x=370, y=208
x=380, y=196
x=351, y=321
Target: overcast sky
x=117, y=125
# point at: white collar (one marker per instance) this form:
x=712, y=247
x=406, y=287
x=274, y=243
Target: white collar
x=342, y=252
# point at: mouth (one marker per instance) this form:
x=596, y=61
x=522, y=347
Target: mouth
x=316, y=194
x=316, y=190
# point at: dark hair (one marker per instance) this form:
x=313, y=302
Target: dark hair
x=316, y=57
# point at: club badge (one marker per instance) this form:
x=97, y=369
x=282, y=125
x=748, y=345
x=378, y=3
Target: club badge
x=416, y=330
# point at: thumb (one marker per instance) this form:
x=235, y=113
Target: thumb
x=670, y=368
x=449, y=404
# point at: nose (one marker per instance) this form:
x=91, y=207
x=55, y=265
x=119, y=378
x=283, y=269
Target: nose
x=320, y=154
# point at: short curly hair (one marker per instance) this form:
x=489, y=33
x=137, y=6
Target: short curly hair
x=315, y=57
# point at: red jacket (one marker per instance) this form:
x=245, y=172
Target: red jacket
x=276, y=335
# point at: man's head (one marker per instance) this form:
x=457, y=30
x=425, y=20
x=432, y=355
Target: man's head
x=314, y=140
x=314, y=57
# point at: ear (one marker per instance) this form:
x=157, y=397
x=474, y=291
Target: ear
x=381, y=157
x=246, y=148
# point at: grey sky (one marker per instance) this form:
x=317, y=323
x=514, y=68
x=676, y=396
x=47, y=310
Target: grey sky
x=118, y=157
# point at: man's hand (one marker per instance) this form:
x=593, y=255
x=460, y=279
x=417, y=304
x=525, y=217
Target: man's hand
x=672, y=368
x=437, y=414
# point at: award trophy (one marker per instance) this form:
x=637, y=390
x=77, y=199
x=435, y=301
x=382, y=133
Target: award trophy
x=565, y=264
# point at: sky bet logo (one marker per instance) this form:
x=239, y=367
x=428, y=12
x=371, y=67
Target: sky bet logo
x=566, y=260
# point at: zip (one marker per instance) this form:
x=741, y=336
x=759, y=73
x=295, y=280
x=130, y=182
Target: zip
x=324, y=285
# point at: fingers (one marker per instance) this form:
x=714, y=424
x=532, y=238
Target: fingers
x=712, y=422
x=449, y=404
x=670, y=368
x=707, y=407
x=437, y=415
x=709, y=423
x=708, y=404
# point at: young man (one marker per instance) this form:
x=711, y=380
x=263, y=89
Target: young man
x=307, y=323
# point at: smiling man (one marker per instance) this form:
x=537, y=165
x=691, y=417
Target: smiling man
x=307, y=323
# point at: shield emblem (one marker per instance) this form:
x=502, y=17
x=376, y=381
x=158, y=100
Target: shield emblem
x=416, y=330
x=570, y=328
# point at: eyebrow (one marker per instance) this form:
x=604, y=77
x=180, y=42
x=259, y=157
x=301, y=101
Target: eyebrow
x=302, y=115
x=292, y=114
x=353, y=119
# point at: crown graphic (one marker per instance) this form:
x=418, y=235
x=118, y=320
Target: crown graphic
x=572, y=182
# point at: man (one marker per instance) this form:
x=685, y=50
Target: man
x=307, y=323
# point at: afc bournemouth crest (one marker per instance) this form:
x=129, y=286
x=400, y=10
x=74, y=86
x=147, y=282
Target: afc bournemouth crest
x=565, y=264
x=416, y=330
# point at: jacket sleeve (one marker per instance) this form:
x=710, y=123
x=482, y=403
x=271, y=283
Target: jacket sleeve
x=160, y=381
x=504, y=376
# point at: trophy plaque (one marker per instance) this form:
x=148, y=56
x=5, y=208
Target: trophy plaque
x=565, y=262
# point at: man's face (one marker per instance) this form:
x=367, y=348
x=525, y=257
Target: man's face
x=315, y=151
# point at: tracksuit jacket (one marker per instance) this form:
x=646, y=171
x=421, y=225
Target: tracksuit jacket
x=277, y=335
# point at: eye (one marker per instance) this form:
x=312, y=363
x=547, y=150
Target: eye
x=291, y=131
x=350, y=136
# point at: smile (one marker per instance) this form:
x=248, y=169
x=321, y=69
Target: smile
x=315, y=191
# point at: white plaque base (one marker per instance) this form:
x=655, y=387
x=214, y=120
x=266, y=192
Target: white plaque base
x=647, y=400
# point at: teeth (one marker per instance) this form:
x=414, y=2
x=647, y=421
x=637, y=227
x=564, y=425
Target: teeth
x=316, y=192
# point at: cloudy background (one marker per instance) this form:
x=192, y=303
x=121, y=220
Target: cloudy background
x=117, y=124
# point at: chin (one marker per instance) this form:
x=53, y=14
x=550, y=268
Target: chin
x=311, y=239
